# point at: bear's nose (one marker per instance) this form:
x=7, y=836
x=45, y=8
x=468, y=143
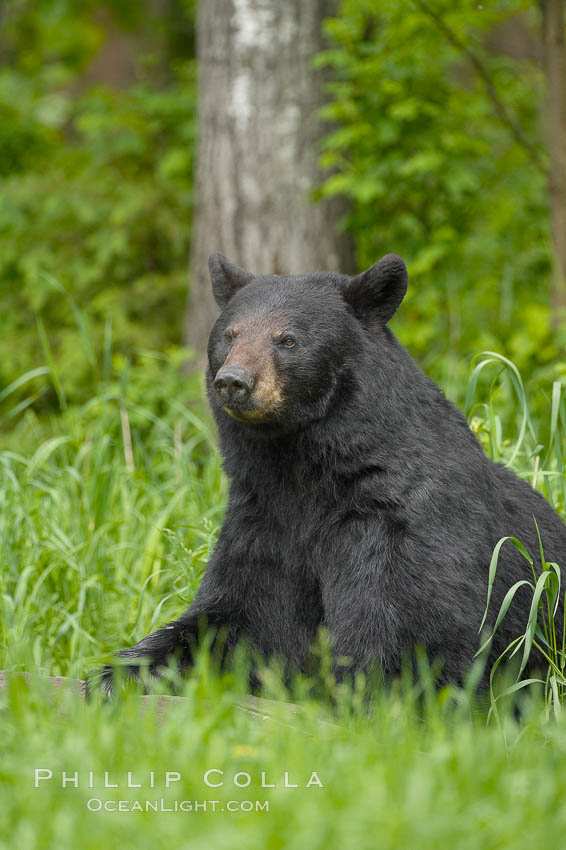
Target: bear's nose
x=233, y=384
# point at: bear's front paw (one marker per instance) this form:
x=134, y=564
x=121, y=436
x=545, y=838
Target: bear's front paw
x=100, y=681
x=106, y=679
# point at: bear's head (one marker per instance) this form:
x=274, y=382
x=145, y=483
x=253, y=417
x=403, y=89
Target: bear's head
x=281, y=343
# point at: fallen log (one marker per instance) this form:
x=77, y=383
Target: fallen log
x=258, y=707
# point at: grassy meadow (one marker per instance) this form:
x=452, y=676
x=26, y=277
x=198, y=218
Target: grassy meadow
x=109, y=512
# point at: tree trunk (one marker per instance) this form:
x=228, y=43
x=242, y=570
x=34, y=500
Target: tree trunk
x=257, y=161
x=555, y=66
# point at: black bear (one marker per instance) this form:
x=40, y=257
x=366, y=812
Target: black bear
x=360, y=501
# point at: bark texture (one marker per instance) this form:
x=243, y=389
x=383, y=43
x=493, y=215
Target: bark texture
x=257, y=162
x=555, y=67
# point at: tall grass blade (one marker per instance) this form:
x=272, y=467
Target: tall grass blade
x=48, y=354
x=493, y=569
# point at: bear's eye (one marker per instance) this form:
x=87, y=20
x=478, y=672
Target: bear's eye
x=228, y=336
x=288, y=341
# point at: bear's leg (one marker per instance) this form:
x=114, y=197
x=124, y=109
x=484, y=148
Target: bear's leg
x=367, y=609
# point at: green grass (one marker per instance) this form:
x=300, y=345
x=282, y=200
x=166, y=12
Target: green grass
x=108, y=514
x=393, y=780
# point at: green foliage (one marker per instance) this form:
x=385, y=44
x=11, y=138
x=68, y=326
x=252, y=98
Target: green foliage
x=95, y=191
x=537, y=454
x=537, y=451
x=434, y=174
x=541, y=641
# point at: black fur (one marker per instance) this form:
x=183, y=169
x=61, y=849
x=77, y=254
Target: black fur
x=363, y=503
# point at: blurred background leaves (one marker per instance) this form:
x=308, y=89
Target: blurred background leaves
x=97, y=127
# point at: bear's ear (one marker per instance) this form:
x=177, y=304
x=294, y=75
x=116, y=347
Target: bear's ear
x=226, y=278
x=375, y=294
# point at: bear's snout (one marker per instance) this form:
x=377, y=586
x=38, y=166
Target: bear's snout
x=233, y=384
